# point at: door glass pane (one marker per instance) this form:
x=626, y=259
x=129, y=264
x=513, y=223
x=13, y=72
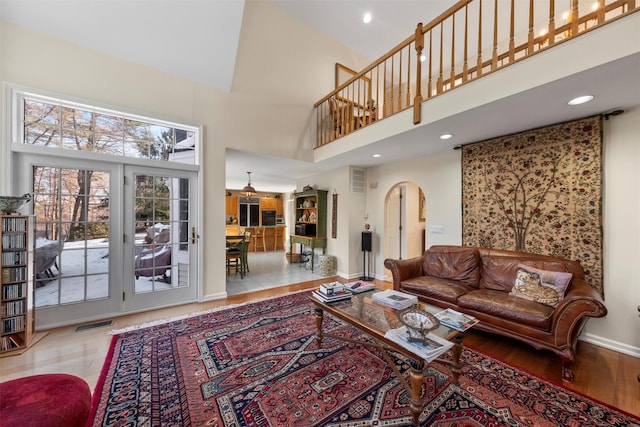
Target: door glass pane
x=71, y=209
x=161, y=247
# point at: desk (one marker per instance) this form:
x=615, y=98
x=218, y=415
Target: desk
x=312, y=242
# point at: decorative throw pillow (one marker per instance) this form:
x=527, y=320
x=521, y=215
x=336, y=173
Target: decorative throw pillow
x=543, y=286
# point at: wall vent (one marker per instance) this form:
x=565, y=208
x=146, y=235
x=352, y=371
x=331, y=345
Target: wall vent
x=94, y=325
x=358, y=181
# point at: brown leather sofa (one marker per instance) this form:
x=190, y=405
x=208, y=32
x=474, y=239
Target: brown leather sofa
x=478, y=281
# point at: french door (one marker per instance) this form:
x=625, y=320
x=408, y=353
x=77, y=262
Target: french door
x=160, y=250
x=109, y=238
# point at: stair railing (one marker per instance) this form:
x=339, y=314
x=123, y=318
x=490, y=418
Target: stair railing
x=470, y=40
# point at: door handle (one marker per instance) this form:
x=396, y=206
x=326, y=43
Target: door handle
x=194, y=236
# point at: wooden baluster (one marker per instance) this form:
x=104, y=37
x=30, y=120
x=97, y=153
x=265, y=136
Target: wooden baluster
x=417, y=102
x=430, y=81
x=439, y=83
x=384, y=90
x=452, y=74
x=465, y=66
x=408, y=100
x=479, y=61
x=531, y=34
x=575, y=18
x=494, y=57
x=512, y=33
x=600, y=13
x=393, y=98
x=377, y=91
x=400, y=81
x=551, y=32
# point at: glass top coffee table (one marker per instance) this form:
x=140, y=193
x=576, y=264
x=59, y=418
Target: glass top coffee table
x=375, y=320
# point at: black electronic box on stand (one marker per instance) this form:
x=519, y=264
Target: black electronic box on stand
x=366, y=249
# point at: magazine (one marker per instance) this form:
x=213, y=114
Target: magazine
x=394, y=299
x=456, y=320
x=429, y=350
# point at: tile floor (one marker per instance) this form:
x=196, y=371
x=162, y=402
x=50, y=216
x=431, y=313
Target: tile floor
x=269, y=270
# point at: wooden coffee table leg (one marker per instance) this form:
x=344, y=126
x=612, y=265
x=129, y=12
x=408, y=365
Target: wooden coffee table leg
x=417, y=375
x=319, y=319
x=456, y=367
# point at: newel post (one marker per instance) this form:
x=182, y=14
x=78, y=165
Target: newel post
x=417, y=100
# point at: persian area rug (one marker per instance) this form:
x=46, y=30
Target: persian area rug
x=259, y=365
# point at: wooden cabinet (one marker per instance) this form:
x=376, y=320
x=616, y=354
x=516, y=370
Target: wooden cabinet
x=279, y=207
x=268, y=203
x=232, y=206
x=16, y=296
x=310, y=221
x=311, y=214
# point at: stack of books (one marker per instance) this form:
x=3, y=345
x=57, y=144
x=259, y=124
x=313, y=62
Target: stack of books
x=456, y=320
x=394, y=299
x=330, y=292
x=432, y=347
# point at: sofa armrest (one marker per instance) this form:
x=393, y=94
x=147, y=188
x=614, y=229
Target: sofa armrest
x=403, y=269
x=581, y=300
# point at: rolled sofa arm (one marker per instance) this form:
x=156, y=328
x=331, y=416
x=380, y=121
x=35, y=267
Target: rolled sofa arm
x=403, y=269
x=581, y=300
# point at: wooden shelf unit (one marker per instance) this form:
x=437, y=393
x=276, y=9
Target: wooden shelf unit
x=16, y=295
x=308, y=203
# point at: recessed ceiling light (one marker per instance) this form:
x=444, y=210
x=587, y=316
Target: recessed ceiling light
x=446, y=136
x=580, y=100
x=366, y=18
x=376, y=155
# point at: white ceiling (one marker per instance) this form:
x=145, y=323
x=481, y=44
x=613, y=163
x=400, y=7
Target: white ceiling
x=207, y=30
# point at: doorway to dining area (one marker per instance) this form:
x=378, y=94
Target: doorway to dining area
x=269, y=270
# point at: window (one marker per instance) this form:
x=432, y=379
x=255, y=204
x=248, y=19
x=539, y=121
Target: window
x=61, y=125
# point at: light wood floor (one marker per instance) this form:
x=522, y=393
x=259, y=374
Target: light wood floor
x=602, y=374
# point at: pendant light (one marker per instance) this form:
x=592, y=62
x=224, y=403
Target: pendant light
x=248, y=190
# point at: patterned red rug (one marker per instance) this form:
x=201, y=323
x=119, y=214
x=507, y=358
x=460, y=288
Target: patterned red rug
x=258, y=365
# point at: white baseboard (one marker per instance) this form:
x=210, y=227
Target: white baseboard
x=214, y=297
x=610, y=344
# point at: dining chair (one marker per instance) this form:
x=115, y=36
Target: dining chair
x=277, y=234
x=258, y=238
x=237, y=254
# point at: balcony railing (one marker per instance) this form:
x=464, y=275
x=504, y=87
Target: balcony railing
x=470, y=40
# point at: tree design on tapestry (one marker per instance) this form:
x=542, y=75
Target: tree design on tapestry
x=538, y=191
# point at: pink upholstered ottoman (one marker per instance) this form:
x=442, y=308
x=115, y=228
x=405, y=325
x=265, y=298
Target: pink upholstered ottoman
x=49, y=400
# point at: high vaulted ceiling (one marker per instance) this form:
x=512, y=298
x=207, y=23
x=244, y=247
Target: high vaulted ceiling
x=155, y=32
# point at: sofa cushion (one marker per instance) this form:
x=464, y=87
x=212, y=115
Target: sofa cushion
x=543, y=286
x=505, y=306
x=434, y=287
x=460, y=264
x=499, y=272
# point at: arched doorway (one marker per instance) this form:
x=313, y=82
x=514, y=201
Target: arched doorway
x=404, y=222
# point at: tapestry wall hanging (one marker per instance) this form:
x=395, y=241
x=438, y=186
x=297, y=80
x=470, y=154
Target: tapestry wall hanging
x=538, y=191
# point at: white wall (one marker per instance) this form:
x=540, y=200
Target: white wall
x=621, y=228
